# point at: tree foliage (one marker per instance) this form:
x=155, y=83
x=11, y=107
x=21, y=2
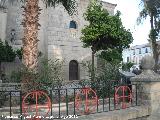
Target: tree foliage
x=51, y=72
x=19, y=53
x=104, y=32
x=49, y=75
x=113, y=56
x=106, y=76
x=7, y=54
x=127, y=66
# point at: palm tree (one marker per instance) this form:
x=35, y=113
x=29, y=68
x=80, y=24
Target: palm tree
x=31, y=25
x=151, y=8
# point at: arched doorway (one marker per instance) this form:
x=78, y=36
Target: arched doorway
x=73, y=70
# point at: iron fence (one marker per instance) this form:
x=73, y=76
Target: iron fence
x=10, y=104
x=80, y=101
x=89, y=99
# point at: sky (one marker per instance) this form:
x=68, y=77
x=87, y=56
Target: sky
x=129, y=12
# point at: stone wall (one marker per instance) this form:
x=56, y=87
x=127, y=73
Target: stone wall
x=3, y=22
x=135, y=113
x=63, y=42
x=14, y=20
x=9, y=67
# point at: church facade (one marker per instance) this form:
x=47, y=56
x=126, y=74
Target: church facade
x=59, y=34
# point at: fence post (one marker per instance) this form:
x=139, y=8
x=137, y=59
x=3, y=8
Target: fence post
x=10, y=103
x=148, y=88
x=21, y=104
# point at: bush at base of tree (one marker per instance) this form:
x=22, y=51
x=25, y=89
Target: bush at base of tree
x=49, y=75
x=7, y=54
x=106, y=76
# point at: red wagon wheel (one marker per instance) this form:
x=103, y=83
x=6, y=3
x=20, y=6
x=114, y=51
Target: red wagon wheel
x=86, y=101
x=36, y=104
x=123, y=95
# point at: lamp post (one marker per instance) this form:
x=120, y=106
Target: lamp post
x=13, y=34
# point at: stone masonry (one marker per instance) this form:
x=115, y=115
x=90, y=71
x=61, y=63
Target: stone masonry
x=3, y=22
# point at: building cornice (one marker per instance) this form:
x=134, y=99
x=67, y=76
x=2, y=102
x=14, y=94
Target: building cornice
x=109, y=3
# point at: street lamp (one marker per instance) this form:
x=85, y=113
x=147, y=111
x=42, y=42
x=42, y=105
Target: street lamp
x=13, y=34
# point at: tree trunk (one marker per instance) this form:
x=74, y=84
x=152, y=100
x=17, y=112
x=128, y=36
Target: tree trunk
x=92, y=73
x=30, y=43
x=154, y=44
x=0, y=71
x=30, y=40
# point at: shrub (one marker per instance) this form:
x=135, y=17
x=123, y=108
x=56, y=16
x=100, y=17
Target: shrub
x=48, y=75
x=106, y=77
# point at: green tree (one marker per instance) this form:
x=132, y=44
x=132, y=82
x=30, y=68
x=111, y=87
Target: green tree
x=127, y=66
x=104, y=32
x=151, y=8
x=112, y=56
x=7, y=54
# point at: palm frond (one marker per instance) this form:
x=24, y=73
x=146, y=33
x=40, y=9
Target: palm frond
x=142, y=15
x=4, y=3
x=69, y=5
x=150, y=7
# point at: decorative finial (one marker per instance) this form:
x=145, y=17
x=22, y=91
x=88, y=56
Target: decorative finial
x=147, y=62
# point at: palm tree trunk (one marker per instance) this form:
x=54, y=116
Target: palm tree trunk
x=154, y=44
x=30, y=43
x=30, y=40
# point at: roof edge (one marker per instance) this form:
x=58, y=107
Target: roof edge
x=109, y=3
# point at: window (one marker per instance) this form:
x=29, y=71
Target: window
x=146, y=51
x=139, y=50
x=73, y=25
x=133, y=52
x=127, y=59
x=134, y=59
x=73, y=70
